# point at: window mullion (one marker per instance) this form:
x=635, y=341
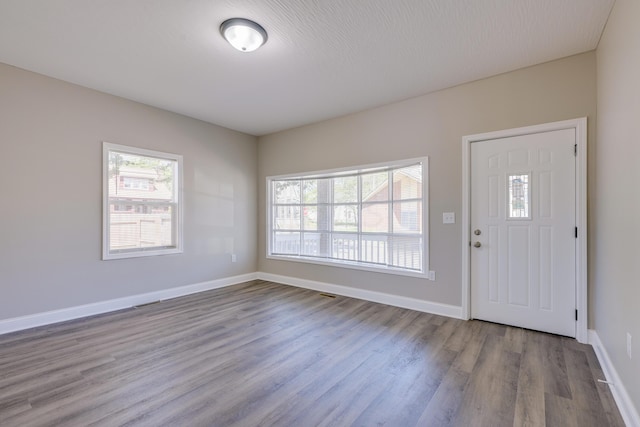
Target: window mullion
x=391, y=230
x=301, y=219
x=331, y=214
x=359, y=228
x=122, y=201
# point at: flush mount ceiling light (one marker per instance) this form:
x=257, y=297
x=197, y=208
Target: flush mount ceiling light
x=244, y=35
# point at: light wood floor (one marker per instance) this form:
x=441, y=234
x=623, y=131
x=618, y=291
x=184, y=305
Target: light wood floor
x=263, y=354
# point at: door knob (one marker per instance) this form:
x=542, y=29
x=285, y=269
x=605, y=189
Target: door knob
x=477, y=244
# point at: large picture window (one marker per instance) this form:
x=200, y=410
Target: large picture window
x=142, y=208
x=370, y=217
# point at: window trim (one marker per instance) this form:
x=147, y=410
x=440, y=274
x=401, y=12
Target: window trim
x=350, y=171
x=178, y=188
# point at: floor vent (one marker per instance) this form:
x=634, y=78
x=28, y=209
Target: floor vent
x=328, y=295
x=146, y=304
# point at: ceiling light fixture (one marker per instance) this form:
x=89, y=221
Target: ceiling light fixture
x=244, y=35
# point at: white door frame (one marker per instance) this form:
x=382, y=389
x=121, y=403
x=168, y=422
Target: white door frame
x=580, y=126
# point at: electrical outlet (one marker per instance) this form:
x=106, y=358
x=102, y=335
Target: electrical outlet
x=432, y=275
x=448, y=217
x=234, y=258
x=629, y=345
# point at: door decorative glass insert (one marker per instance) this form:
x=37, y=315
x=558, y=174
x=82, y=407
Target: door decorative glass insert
x=519, y=196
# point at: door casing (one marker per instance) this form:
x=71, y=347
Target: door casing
x=580, y=126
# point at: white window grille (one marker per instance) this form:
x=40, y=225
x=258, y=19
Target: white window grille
x=370, y=217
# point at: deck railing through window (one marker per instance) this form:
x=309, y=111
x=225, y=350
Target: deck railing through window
x=375, y=249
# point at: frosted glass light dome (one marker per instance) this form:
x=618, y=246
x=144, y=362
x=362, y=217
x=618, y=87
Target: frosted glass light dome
x=243, y=34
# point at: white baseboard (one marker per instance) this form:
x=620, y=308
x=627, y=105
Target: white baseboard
x=623, y=400
x=62, y=315
x=55, y=316
x=373, y=296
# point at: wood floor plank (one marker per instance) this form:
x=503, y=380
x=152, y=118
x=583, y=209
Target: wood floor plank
x=530, y=409
x=514, y=339
x=560, y=412
x=265, y=354
x=556, y=380
x=443, y=407
x=473, y=341
x=491, y=393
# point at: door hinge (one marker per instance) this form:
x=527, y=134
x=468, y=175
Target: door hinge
x=575, y=150
x=576, y=315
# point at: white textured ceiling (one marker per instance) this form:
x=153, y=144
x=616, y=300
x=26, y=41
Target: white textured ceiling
x=323, y=59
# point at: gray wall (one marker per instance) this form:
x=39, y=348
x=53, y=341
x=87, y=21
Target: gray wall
x=617, y=202
x=50, y=146
x=51, y=136
x=431, y=125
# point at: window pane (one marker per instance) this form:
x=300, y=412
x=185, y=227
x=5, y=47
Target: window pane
x=375, y=218
x=407, y=183
x=286, y=243
x=345, y=246
x=141, y=226
x=345, y=189
x=324, y=190
x=316, y=244
x=374, y=249
x=286, y=217
x=323, y=218
x=316, y=217
x=140, y=177
x=345, y=218
x=286, y=191
x=407, y=252
x=310, y=191
x=316, y=191
x=310, y=214
x=407, y=217
x=519, y=196
x=375, y=187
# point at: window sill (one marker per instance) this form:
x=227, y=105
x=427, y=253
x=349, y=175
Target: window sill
x=141, y=253
x=351, y=265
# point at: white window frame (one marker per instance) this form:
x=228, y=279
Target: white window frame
x=357, y=265
x=177, y=203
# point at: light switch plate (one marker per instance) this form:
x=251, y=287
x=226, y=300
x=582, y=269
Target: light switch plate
x=448, y=217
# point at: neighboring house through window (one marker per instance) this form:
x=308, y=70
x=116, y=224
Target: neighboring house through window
x=142, y=202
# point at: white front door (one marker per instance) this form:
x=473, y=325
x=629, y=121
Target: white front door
x=523, y=235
